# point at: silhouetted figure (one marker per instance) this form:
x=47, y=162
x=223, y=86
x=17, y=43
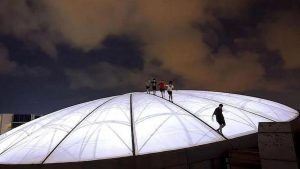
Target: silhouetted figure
x=162, y=88
x=153, y=84
x=148, y=87
x=219, y=117
x=170, y=88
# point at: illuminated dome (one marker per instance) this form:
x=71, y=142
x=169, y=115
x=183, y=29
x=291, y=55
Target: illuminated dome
x=136, y=124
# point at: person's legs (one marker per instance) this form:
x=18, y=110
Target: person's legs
x=222, y=126
x=219, y=127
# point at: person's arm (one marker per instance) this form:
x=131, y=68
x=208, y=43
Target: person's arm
x=212, y=117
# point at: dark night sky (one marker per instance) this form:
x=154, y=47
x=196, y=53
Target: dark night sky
x=57, y=53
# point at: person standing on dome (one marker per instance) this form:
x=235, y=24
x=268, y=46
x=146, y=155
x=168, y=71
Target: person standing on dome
x=170, y=88
x=219, y=117
x=162, y=88
x=148, y=87
x=153, y=84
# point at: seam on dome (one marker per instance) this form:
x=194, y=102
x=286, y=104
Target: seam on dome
x=156, y=115
x=227, y=105
x=246, y=98
x=76, y=127
x=119, y=137
x=13, y=145
x=196, y=118
x=33, y=122
x=247, y=119
x=176, y=114
x=105, y=122
x=260, y=101
x=152, y=134
x=142, y=111
x=26, y=125
x=132, y=127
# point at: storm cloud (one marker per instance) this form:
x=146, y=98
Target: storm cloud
x=222, y=45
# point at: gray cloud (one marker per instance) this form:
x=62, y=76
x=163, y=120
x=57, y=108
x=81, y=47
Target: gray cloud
x=168, y=32
x=102, y=76
x=28, y=23
x=282, y=33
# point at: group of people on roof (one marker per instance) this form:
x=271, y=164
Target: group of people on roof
x=151, y=87
x=163, y=87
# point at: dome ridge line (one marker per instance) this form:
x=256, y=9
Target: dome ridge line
x=233, y=95
x=229, y=105
x=28, y=134
x=76, y=127
x=132, y=126
x=195, y=117
x=175, y=114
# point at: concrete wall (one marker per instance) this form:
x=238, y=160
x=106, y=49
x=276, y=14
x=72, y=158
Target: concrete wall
x=5, y=122
x=277, y=145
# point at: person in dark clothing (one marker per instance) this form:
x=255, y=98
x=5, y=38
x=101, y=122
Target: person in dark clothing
x=219, y=117
x=153, y=84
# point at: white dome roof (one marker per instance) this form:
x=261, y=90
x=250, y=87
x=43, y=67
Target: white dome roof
x=135, y=124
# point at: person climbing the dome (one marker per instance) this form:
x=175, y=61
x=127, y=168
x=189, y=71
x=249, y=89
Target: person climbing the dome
x=153, y=84
x=170, y=88
x=162, y=88
x=219, y=117
x=148, y=87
